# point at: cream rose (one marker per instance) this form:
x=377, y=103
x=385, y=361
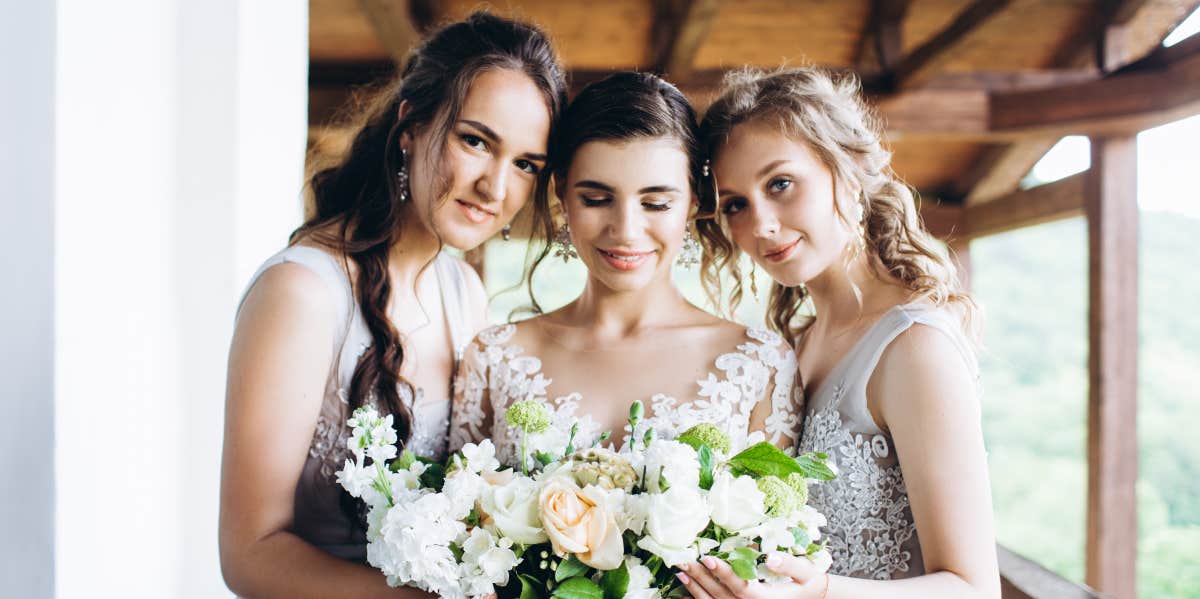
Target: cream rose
x=577, y=522
x=512, y=509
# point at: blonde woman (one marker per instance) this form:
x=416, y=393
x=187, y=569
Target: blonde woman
x=805, y=188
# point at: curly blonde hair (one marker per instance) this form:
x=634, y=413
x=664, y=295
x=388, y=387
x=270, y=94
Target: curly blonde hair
x=828, y=112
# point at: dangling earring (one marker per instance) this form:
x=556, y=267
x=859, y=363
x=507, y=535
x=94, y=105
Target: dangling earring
x=506, y=232
x=562, y=240
x=691, y=251
x=860, y=228
x=753, y=283
x=402, y=175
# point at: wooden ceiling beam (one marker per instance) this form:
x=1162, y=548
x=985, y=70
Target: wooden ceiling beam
x=1000, y=169
x=922, y=63
x=1053, y=201
x=1098, y=42
x=393, y=25
x=881, y=43
x=1156, y=90
x=680, y=28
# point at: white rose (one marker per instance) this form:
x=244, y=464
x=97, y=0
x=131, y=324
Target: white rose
x=640, y=580
x=736, y=502
x=672, y=460
x=513, y=511
x=673, y=519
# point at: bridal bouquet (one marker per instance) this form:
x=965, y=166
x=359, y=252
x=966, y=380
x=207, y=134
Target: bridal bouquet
x=579, y=522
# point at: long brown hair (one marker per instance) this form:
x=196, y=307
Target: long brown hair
x=355, y=202
x=828, y=113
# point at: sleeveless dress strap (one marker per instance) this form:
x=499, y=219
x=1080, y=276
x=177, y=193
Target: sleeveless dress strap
x=865, y=357
x=326, y=266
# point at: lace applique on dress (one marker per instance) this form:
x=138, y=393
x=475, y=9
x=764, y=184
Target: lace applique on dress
x=871, y=533
x=725, y=398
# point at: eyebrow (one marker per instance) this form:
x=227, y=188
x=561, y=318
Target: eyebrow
x=489, y=133
x=588, y=184
x=760, y=174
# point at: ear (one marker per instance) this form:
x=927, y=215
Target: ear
x=406, y=138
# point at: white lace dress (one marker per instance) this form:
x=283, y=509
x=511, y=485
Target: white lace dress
x=496, y=373
x=871, y=533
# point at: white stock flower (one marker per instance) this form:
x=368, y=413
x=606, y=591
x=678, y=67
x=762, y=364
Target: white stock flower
x=673, y=520
x=486, y=562
x=355, y=479
x=672, y=460
x=513, y=510
x=632, y=514
x=736, y=502
x=812, y=521
x=640, y=580
x=481, y=457
x=413, y=546
x=774, y=534
x=463, y=488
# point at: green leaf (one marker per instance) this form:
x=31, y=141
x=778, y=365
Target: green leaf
x=615, y=583
x=569, y=568
x=529, y=587
x=704, y=454
x=813, y=466
x=434, y=477
x=744, y=568
x=578, y=588
x=744, y=553
x=765, y=459
x=544, y=457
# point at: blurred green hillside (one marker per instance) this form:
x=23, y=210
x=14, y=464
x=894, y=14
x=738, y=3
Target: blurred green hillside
x=1033, y=285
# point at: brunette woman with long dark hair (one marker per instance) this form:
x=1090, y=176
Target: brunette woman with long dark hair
x=363, y=308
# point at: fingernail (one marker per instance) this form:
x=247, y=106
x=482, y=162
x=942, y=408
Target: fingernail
x=710, y=562
x=683, y=578
x=773, y=560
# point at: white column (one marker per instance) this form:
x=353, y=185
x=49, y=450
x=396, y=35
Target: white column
x=27, y=40
x=180, y=149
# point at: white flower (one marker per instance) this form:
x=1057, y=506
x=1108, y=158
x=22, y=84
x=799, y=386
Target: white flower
x=463, y=488
x=774, y=534
x=513, y=510
x=355, y=479
x=673, y=519
x=632, y=513
x=481, y=457
x=486, y=562
x=670, y=460
x=812, y=521
x=736, y=502
x=413, y=545
x=822, y=560
x=640, y=580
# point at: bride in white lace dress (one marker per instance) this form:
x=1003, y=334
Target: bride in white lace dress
x=892, y=396
x=625, y=171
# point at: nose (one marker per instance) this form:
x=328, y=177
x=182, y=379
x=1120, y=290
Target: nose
x=627, y=221
x=493, y=182
x=764, y=222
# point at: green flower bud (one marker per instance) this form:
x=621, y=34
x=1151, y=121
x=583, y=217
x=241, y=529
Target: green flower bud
x=706, y=434
x=780, y=499
x=529, y=416
x=799, y=484
x=636, y=409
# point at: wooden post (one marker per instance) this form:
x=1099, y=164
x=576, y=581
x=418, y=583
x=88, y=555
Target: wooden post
x=1112, y=213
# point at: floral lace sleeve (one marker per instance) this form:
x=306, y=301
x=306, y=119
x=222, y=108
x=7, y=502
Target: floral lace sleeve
x=778, y=417
x=471, y=414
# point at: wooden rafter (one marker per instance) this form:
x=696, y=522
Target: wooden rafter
x=680, y=28
x=1027, y=207
x=1000, y=169
x=1096, y=43
x=426, y=14
x=1156, y=90
x=393, y=26
x=881, y=43
x=921, y=64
